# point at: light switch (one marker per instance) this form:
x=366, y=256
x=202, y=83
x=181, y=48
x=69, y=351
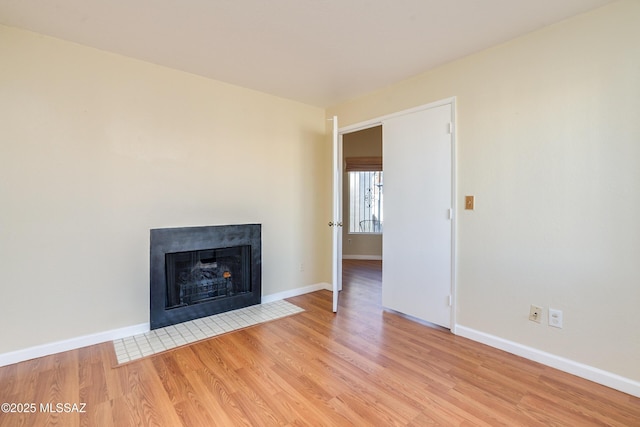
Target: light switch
x=469, y=202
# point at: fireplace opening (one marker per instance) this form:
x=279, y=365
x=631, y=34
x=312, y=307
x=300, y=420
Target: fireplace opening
x=195, y=277
x=201, y=271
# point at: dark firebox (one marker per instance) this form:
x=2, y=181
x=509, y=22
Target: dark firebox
x=198, y=276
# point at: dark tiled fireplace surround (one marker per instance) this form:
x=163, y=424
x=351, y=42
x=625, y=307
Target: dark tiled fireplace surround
x=201, y=271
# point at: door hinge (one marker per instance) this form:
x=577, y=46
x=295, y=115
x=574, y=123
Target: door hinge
x=450, y=301
x=450, y=213
x=450, y=128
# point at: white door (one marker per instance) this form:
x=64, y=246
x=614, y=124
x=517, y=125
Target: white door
x=417, y=242
x=336, y=222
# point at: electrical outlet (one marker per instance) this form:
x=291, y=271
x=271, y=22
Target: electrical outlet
x=555, y=318
x=535, y=314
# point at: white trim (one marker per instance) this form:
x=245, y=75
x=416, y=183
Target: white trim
x=363, y=257
x=609, y=379
x=453, y=296
x=128, y=331
x=378, y=121
x=295, y=292
x=71, y=344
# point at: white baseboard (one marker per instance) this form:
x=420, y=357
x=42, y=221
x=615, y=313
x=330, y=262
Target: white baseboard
x=295, y=292
x=363, y=257
x=128, y=331
x=71, y=344
x=590, y=373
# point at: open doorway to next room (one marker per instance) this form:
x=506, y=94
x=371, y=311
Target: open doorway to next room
x=363, y=195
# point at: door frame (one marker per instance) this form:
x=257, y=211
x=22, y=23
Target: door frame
x=378, y=121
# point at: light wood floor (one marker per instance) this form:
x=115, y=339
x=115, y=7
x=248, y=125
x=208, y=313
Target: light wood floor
x=362, y=367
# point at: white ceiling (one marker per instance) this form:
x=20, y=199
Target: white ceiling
x=319, y=52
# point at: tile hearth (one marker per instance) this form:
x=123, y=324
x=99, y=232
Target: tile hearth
x=170, y=337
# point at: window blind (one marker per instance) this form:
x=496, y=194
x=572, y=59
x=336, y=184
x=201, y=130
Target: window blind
x=363, y=164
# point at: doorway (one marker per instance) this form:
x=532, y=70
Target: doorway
x=362, y=193
x=413, y=141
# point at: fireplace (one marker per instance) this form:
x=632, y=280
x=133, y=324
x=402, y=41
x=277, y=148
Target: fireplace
x=201, y=271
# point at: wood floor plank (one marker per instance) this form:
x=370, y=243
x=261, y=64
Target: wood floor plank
x=187, y=402
x=363, y=366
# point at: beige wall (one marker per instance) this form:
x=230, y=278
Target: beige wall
x=548, y=136
x=96, y=149
x=364, y=143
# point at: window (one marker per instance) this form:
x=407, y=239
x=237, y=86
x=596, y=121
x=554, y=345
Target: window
x=365, y=202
